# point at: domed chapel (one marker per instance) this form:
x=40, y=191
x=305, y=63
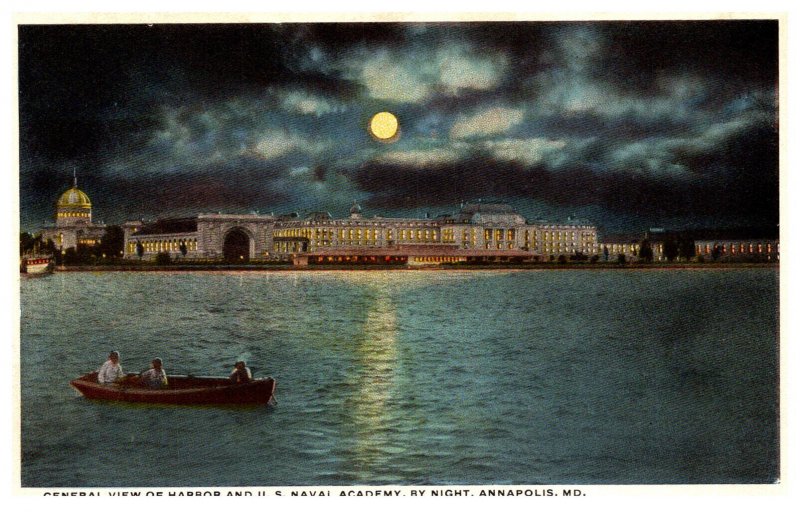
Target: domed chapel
x=73, y=221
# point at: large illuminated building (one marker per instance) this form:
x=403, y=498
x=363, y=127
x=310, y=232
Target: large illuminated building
x=73, y=225
x=477, y=232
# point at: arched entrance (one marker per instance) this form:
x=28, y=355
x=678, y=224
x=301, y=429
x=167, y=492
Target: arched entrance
x=237, y=246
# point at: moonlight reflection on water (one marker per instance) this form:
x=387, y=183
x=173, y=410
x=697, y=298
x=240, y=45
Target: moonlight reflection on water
x=411, y=377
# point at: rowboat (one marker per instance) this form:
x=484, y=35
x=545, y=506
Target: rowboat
x=182, y=390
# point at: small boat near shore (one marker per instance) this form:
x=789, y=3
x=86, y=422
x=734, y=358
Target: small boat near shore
x=182, y=390
x=36, y=265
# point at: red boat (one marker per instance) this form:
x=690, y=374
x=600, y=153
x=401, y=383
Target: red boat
x=182, y=390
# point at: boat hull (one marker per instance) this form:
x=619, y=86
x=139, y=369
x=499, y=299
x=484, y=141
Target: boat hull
x=182, y=390
x=36, y=266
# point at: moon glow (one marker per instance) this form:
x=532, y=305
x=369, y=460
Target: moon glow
x=384, y=127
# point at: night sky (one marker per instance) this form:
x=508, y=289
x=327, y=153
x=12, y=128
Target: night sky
x=629, y=125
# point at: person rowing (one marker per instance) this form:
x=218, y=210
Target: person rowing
x=241, y=373
x=155, y=377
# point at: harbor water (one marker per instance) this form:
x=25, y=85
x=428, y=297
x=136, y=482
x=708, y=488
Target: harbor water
x=419, y=377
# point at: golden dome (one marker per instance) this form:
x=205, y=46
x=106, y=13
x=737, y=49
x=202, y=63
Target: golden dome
x=74, y=198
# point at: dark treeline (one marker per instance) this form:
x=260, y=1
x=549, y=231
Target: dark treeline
x=109, y=249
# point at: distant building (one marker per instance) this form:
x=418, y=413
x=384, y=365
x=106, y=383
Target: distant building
x=206, y=237
x=73, y=225
x=754, y=250
x=611, y=247
x=708, y=245
x=478, y=232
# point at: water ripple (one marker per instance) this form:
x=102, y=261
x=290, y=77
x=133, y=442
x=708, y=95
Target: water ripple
x=410, y=378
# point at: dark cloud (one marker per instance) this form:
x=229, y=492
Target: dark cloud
x=750, y=189
x=335, y=36
x=738, y=51
x=637, y=119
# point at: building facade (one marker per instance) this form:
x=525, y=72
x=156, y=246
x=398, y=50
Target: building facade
x=750, y=250
x=235, y=238
x=478, y=232
x=73, y=226
x=612, y=247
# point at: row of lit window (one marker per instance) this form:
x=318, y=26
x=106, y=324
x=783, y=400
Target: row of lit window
x=367, y=234
x=163, y=245
x=287, y=246
x=311, y=234
x=733, y=248
x=439, y=259
x=351, y=234
x=621, y=248
x=343, y=243
x=358, y=223
x=561, y=248
x=294, y=232
x=84, y=215
x=426, y=234
x=499, y=234
x=419, y=234
x=560, y=235
x=560, y=245
x=499, y=245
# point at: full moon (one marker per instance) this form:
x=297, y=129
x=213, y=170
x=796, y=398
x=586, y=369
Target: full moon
x=384, y=126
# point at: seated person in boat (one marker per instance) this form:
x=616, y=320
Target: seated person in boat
x=155, y=377
x=111, y=371
x=241, y=373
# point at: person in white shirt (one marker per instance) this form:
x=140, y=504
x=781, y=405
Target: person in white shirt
x=155, y=377
x=111, y=371
x=241, y=373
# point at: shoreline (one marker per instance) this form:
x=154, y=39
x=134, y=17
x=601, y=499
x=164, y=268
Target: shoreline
x=442, y=267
